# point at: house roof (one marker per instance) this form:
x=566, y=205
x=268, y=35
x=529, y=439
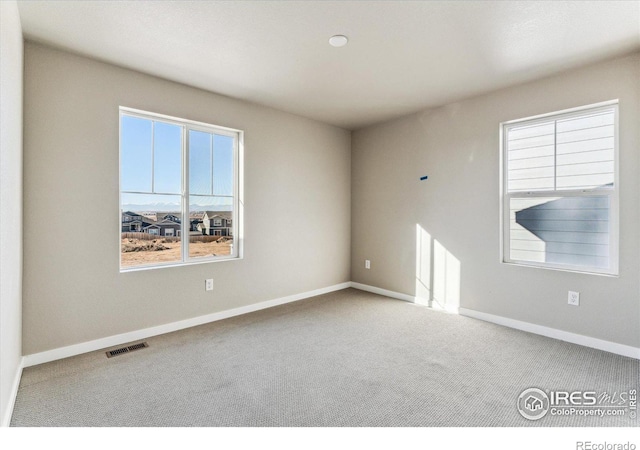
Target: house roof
x=145, y=221
x=166, y=222
x=162, y=215
x=223, y=214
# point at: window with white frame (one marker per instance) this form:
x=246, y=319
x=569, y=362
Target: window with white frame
x=560, y=190
x=176, y=168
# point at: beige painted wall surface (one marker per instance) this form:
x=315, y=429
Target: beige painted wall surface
x=297, y=173
x=457, y=208
x=11, y=55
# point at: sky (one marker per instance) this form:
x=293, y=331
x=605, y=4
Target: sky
x=151, y=166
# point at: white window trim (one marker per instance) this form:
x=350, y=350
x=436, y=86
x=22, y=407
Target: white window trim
x=613, y=194
x=237, y=248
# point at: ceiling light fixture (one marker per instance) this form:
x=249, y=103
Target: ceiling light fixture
x=338, y=40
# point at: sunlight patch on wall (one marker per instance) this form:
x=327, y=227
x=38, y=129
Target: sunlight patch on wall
x=446, y=278
x=423, y=266
x=438, y=273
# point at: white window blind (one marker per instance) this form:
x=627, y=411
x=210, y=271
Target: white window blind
x=560, y=192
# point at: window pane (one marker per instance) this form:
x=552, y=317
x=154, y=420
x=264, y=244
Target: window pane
x=153, y=190
x=211, y=226
x=573, y=151
x=587, y=120
x=585, y=151
x=200, y=162
x=223, y=165
x=135, y=154
x=530, y=154
x=150, y=227
x=569, y=148
x=167, y=163
x=524, y=133
x=571, y=231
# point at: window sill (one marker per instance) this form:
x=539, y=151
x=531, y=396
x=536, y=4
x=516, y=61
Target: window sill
x=178, y=264
x=561, y=269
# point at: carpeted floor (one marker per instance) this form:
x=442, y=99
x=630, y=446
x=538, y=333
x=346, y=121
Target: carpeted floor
x=347, y=358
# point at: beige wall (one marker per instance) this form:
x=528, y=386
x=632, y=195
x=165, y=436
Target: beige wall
x=11, y=55
x=457, y=146
x=297, y=173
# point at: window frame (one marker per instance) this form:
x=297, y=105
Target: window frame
x=613, y=193
x=187, y=125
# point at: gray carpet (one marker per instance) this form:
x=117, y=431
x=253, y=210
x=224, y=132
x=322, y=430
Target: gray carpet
x=348, y=358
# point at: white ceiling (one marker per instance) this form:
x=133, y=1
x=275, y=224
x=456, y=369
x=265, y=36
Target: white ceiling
x=402, y=56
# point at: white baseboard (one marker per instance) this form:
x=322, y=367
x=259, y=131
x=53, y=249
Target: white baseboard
x=607, y=346
x=6, y=419
x=111, y=341
x=98, y=344
x=385, y=292
x=400, y=296
x=599, y=344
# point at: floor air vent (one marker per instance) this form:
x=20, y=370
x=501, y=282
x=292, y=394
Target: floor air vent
x=131, y=348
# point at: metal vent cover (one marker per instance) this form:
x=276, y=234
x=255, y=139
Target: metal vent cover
x=130, y=348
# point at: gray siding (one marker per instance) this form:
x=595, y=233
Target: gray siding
x=570, y=231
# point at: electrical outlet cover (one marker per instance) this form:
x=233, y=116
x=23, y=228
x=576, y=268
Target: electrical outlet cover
x=574, y=298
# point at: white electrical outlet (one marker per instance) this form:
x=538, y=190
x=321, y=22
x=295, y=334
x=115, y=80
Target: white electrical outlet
x=367, y=264
x=574, y=298
x=208, y=285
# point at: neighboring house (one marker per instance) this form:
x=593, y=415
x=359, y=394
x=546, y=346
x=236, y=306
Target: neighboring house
x=211, y=223
x=168, y=224
x=152, y=229
x=571, y=230
x=195, y=221
x=166, y=227
x=195, y=225
x=172, y=216
x=134, y=222
x=217, y=223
